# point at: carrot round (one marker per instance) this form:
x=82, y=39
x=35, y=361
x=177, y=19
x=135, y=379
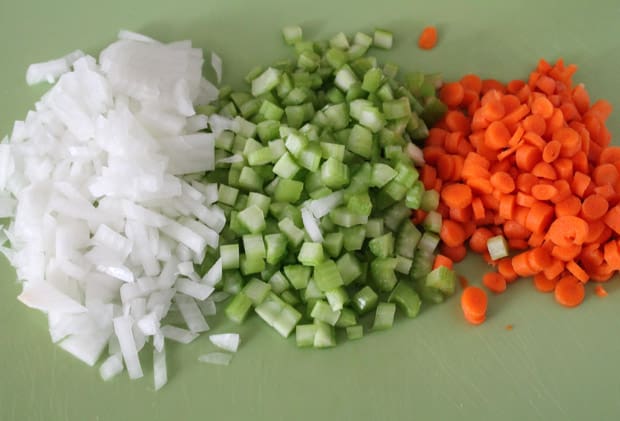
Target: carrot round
x=494, y=281
x=569, y=291
x=594, y=207
x=497, y=135
x=474, y=304
x=544, y=284
x=456, y=253
x=551, y=151
x=568, y=230
x=503, y=182
x=457, y=195
x=452, y=94
x=428, y=38
x=478, y=240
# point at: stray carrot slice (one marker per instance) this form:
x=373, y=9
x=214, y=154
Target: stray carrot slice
x=600, y=291
x=544, y=284
x=428, y=38
x=569, y=291
x=494, y=281
x=474, y=304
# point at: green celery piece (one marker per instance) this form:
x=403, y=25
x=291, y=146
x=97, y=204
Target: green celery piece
x=432, y=222
x=365, y=300
x=253, y=219
x=276, y=247
x=256, y=291
x=227, y=194
x=354, y=237
x=250, y=180
x=288, y=190
x=360, y=204
x=266, y=81
x=304, y=335
x=347, y=318
x=334, y=173
x=333, y=243
x=337, y=116
x=349, y=267
x=311, y=254
x=278, y=282
x=397, y=108
x=298, y=275
x=382, y=246
x=443, y=279
x=254, y=246
x=286, y=166
x=406, y=298
x=337, y=298
x=382, y=270
x=384, y=316
x=372, y=80
x=360, y=141
x=232, y=281
x=324, y=313
x=327, y=276
x=251, y=265
x=325, y=336
x=355, y=332
x=230, y=256
x=238, y=308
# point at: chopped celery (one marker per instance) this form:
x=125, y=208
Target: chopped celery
x=497, y=247
x=354, y=237
x=382, y=246
x=266, y=81
x=325, y=335
x=230, y=256
x=288, y=190
x=304, y=335
x=324, y=313
x=327, y=133
x=384, y=316
x=254, y=246
x=251, y=265
x=227, y=194
x=349, y=267
x=337, y=298
x=355, y=332
x=406, y=298
x=253, y=219
x=298, y=275
x=256, y=291
x=327, y=276
x=347, y=318
x=275, y=247
x=382, y=270
x=239, y=307
x=311, y=254
x=365, y=300
x=432, y=222
x=333, y=243
x=278, y=282
x=443, y=279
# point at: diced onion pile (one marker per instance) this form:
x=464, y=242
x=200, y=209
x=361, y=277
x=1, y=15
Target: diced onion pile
x=109, y=215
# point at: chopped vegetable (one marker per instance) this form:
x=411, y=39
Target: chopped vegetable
x=527, y=178
x=320, y=197
x=428, y=38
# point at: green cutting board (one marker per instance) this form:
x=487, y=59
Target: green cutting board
x=556, y=364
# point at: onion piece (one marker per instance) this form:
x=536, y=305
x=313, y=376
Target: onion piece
x=226, y=341
x=217, y=358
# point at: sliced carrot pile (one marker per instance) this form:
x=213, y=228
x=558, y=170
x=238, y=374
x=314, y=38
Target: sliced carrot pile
x=535, y=165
